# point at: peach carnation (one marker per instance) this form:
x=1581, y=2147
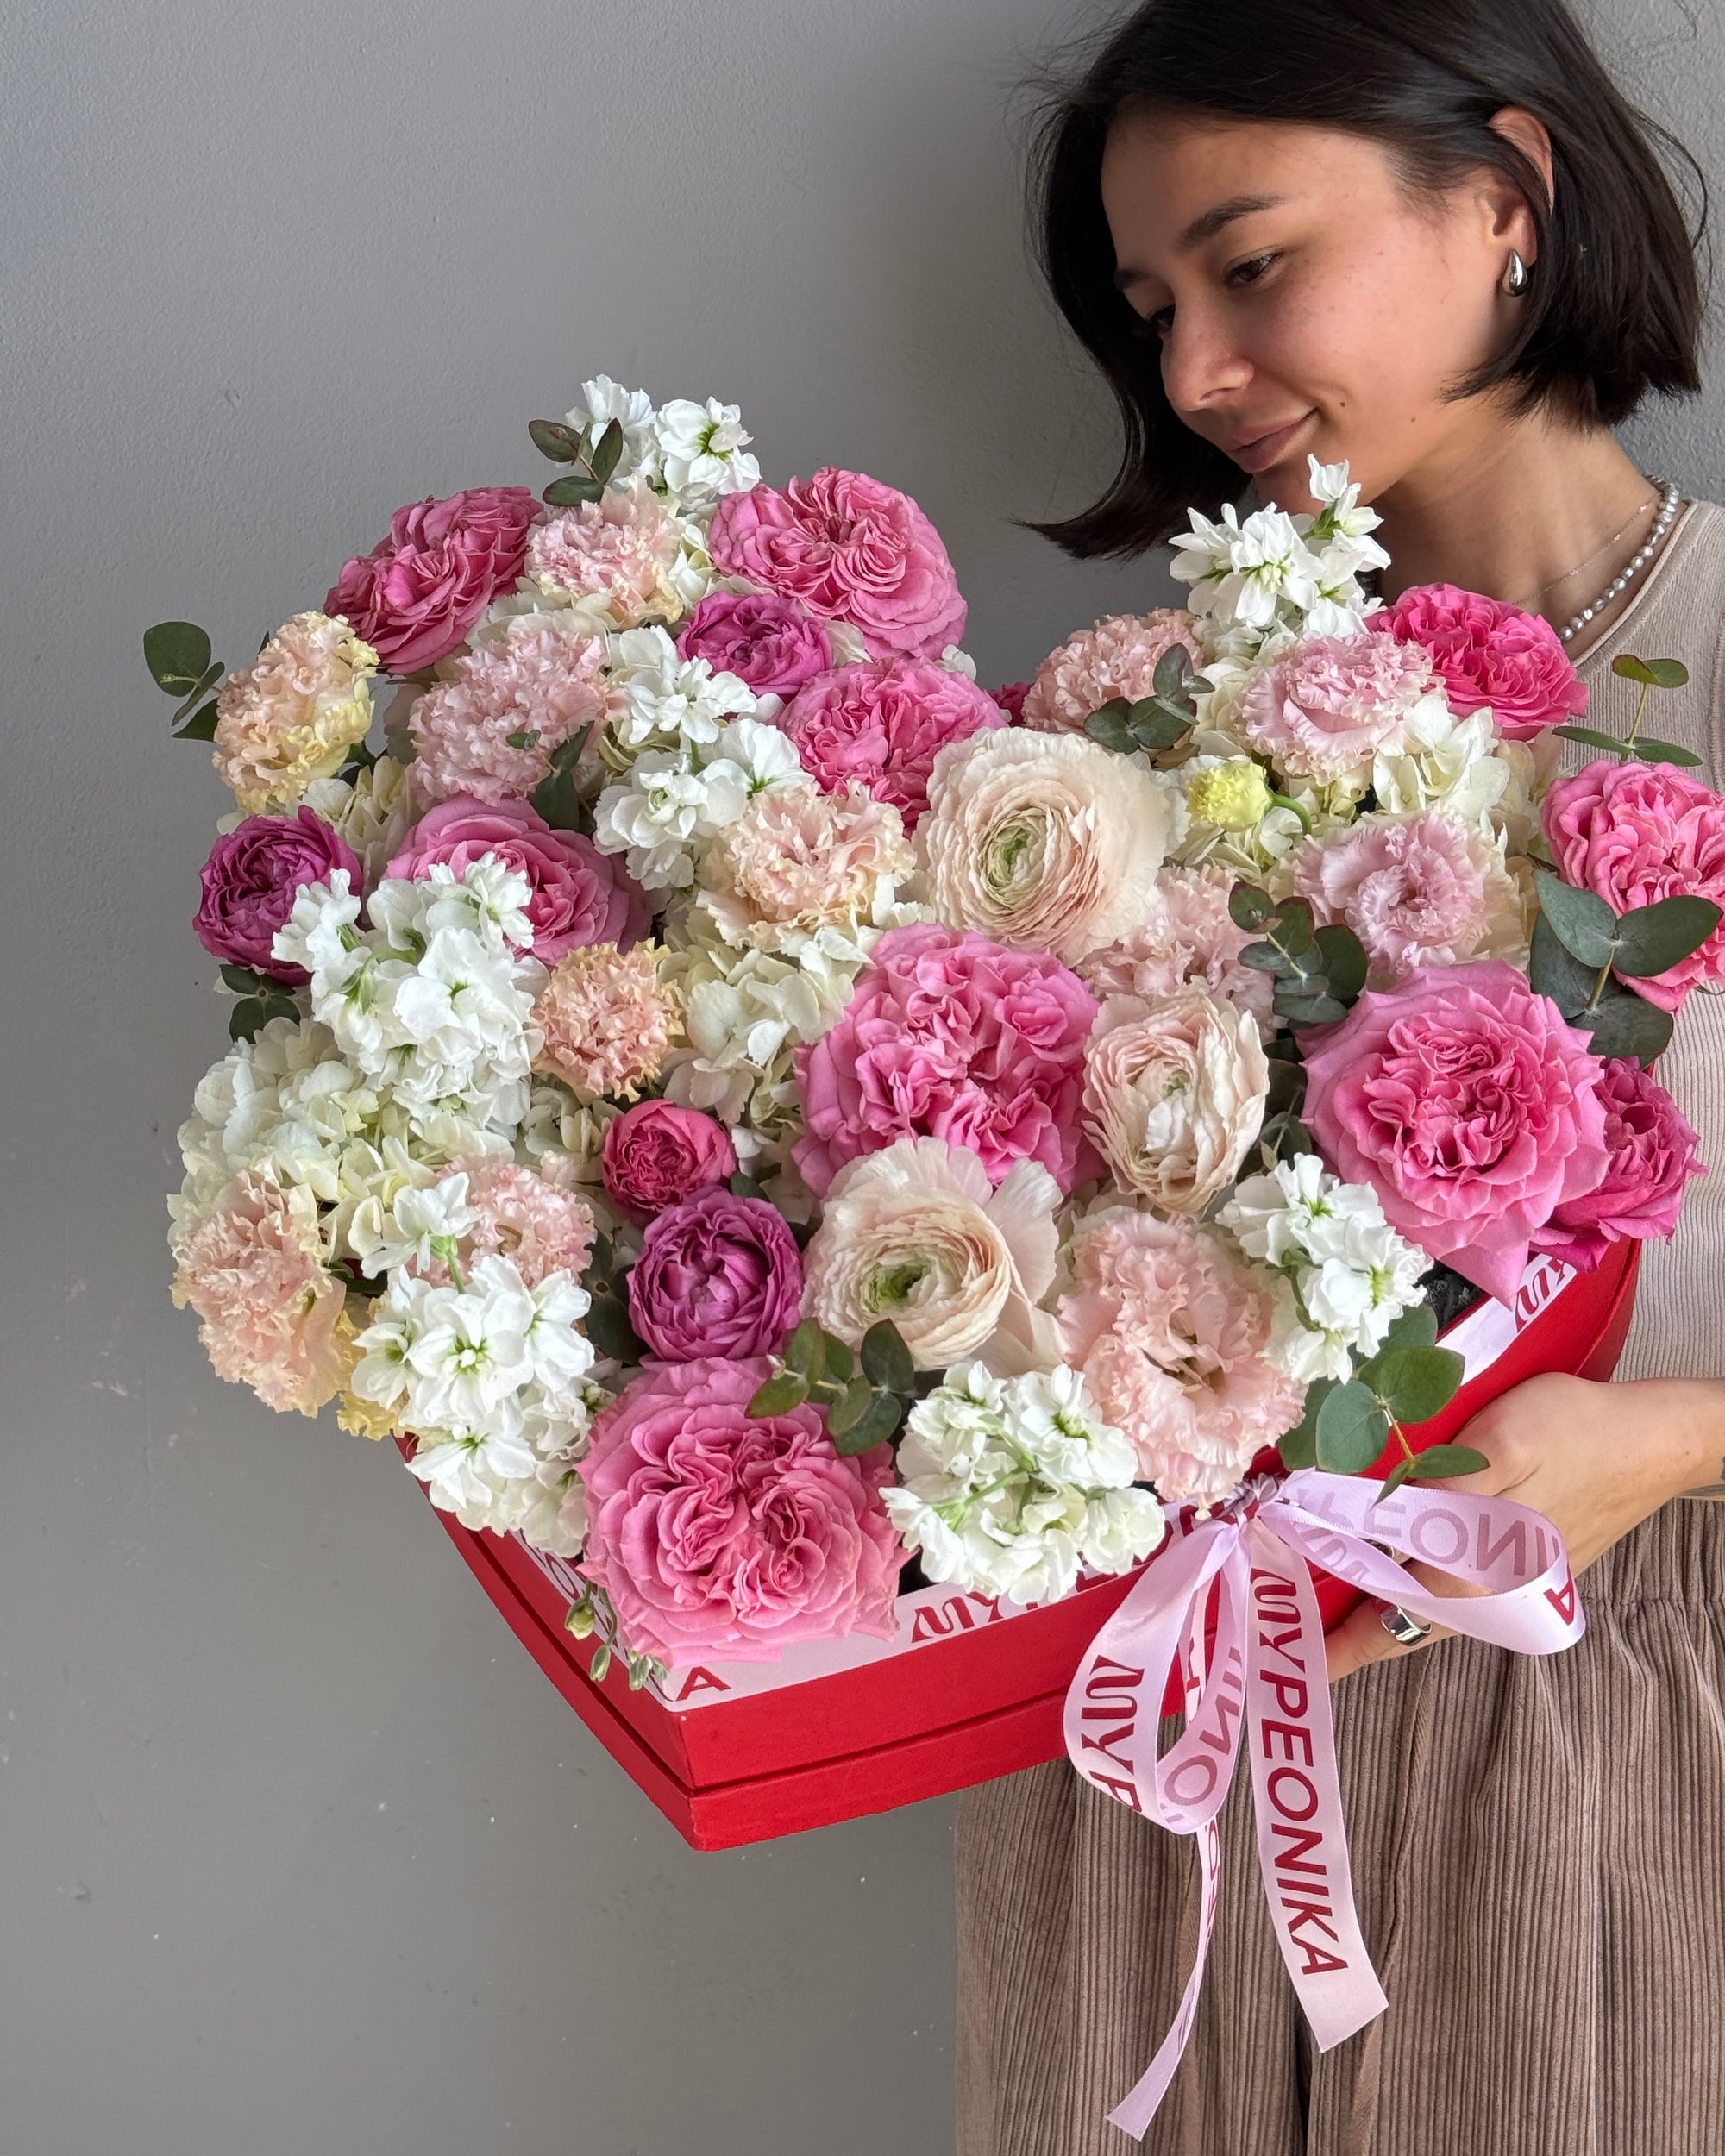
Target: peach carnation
x=605, y=1021
x=611, y=559
x=1187, y=935
x=1174, y=1093
x=541, y=1228
x=1116, y=658
x=293, y=715
x=535, y=676
x=802, y=857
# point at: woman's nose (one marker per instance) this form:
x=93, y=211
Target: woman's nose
x=1203, y=365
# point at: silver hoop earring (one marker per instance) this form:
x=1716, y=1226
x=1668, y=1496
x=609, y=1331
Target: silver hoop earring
x=1517, y=276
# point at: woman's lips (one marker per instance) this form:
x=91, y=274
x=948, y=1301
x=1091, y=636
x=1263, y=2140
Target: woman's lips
x=1259, y=452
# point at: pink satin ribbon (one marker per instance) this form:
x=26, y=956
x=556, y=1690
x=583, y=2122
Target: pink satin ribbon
x=1263, y=1675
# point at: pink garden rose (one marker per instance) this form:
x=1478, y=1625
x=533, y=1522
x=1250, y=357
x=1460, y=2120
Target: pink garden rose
x=717, y=1276
x=848, y=550
x=763, y=639
x=1325, y=708
x=1653, y=1151
x=1489, y=652
x=883, y=723
x=579, y=895
x=1423, y=890
x=950, y=1036
x=717, y=1533
x=1635, y=833
x=417, y=593
x=656, y=1154
x=1011, y=700
x=251, y=879
x=1471, y=1105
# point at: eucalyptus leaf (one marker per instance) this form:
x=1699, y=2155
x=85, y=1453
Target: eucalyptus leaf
x=1308, y=1008
x=849, y=1409
x=1591, y=737
x=1651, y=751
x=551, y=438
x=242, y=980
x=886, y=1361
x=1659, y=674
x=566, y=494
x=177, y=654
x=1653, y=939
x=804, y=1352
x=1446, y=1460
x=1343, y=960
x=609, y=1329
x=1581, y=921
x=606, y=451
x=1414, y=1328
x=882, y=1418
x=1283, y=1137
x=524, y=739
x=1157, y=726
x=1628, y=1024
x=201, y=726
x=1416, y=1383
x=1393, y=1480
x=1264, y=958
x=741, y=1185
x=1352, y=1428
x=780, y=1393
x=247, y=1019
x=1173, y=671
x=1298, y=1446
x=1291, y=926
x=1556, y=973
x=841, y=1364
x=1287, y=1087
x=1250, y=907
x=1109, y=726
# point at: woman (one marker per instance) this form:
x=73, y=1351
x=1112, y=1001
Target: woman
x=1431, y=237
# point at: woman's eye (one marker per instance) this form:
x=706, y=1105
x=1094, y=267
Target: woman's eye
x=1248, y=273
x=1157, y=325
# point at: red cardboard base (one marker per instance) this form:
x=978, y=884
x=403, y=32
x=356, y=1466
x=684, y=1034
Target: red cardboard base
x=738, y=1753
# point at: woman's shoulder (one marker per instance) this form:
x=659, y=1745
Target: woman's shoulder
x=1679, y=613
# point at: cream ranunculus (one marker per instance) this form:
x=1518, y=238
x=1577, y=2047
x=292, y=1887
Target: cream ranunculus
x=915, y=1233
x=1042, y=842
x=1174, y=1092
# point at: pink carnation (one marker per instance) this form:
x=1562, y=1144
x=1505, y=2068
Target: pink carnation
x=848, y=549
x=1488, y=652
x=1186, y=935
x=617, y=551
x=532, y=681
x=764, y=640
x=1326, y=707
x=883, y=723
x=720, y=1534
x=950, y=1036
x=577, y=894
x=604, y=1021
x=1653, y=1151
x=1172, y=1332
x=1635, y=833
x=1417, y=891
x=1470, y=1105
x=540, y=1228
x=417, y=592
x=1118, y=657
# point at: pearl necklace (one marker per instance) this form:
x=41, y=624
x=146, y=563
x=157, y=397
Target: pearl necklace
x=1662, y=524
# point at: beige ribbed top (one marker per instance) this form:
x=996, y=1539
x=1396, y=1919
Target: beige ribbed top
x=1679, y=613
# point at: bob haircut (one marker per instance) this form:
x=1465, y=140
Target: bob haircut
x=1614, y=306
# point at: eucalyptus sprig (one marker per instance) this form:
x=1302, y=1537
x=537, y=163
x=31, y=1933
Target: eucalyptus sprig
x=260, y=1000
x=593, y=452
x=607, y=1323
x=1579, y=943
x=1319, y=973
x=177, y=654
x=592, y=1612
x=1348, y=1421
x=555, y=796
x=1153, y=723
x=863, y=1405
x=1652, y=673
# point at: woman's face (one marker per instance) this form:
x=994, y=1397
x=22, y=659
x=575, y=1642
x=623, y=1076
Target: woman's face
x=1304, y=302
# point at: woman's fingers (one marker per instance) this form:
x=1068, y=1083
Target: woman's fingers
x=1360, y=1638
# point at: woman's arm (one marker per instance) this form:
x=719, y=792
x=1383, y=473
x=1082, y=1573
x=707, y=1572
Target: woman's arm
x=1596, y=1459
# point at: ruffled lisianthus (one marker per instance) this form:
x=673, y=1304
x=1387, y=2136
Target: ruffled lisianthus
x=293, y=715
x=950, y=1036
x=917, y=1234
x=1174, y=1335
x=420, y=590
x=1174, y=1093
x=1330, y=704
x=1118, y=657
x=1422, y=890
x=1186, y=935
x=250, y=881
x=1047, y=842
x=1652, y=1153
x=763, y=638
x=577, y=895
x=528, y=685
x=270, y=1311
x=656, y=1153
x=798, y=857
x=883, y=723
x=717, y=1533
x=605, y=1021
x=609, y=560
x=848, y=549
x=717, y=1274
x=1487, y=652
x=1471, y=1105
x=1635, y=833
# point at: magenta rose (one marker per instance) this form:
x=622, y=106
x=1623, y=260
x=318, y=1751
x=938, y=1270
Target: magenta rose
x=717, y=1274
x=883, y=723
x=417, y=593
x=950, y=1036
x=579, y=895
x=656, y=1154
x=250, y=881
x=1635, y=833
x=1011, y=699
x=847, y=548
x=1653, y=1155
x=1489, y=652
x=1470, y=1105
x=720, y=1534
x=763, y=639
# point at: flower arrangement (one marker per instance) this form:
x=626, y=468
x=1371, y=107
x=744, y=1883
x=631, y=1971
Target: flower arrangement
x=746, y=1108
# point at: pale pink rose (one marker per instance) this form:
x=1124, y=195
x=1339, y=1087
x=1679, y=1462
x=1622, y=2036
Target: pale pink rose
x=1635, y=833
x=656, y=1154
x=1417, y=891
x=1118, y=657
x=723, y=1536
x=1471, y=1105
x=883, y=723
x=606, y=1021
x=765, y=640
x=950, y=1036
x=1187, y=935
x=291, y=717
x=1654, y=1154
x=1326, y=707
x=417, y=592
x=253, y=1269
x=616, y=552
x=1489, y=652
x=1174, y=1093
x=540, y=1228
x=847, y=548
x=529, y=678
x=1173, y=1334
x=577, y=895
x=800, y=856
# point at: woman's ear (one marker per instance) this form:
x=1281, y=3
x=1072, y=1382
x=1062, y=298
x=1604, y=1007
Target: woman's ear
x=1512, y=219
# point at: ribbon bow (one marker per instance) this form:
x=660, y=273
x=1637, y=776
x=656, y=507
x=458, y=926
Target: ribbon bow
x=1264, y=1674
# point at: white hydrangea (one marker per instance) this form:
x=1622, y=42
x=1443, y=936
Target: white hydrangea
x=1009, y=1487
x=373, y=812
x=667, y=702
x=672, y=800
x=701, y=452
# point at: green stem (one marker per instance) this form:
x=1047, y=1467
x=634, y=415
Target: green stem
x=1592, y=1004
x=1640, y=713
x=1280, y=801
x=1400, y=1436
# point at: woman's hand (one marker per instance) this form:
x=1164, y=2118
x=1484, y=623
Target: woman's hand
x=1597, y=1460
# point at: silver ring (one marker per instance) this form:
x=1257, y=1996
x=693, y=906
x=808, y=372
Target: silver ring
x=1405, y=1631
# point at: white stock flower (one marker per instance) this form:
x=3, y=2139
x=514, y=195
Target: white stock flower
x=701, y=451
x=667, y=700
x=420, y=1221
x=672, y=801
x=603, y=400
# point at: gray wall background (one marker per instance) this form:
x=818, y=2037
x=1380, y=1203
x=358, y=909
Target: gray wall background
x=299, y=1852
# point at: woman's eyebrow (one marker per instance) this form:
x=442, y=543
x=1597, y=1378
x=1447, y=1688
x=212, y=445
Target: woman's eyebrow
x=1205, y=226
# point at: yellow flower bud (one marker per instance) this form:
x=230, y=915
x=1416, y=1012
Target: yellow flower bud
x=1233, y=796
